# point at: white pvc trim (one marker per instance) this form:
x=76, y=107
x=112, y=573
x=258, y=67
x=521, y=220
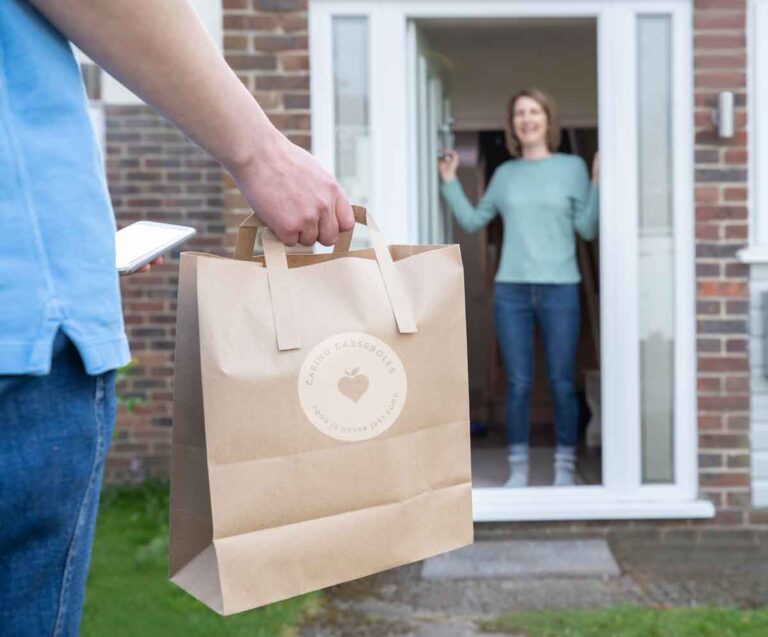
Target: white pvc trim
x=753, y=255
x=757, y=102
x=757, y=191
x=96, y=115
x=760, y=493
x=686, y=422
x=574, y=509
x=321, y=86
x=390, y=141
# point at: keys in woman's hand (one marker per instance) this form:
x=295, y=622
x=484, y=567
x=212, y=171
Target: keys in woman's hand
x=447, y=163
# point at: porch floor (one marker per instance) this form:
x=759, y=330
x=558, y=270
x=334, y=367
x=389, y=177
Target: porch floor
x=489, y=467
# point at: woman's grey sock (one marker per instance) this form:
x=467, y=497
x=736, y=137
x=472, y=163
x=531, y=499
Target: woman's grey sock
x=517, y=459
x=565, y=466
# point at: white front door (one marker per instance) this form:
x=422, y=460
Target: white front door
x=647, y=322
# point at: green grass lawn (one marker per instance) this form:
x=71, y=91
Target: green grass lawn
x=128, y=593
x=630, y=621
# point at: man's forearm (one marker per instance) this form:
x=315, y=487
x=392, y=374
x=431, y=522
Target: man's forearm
x=160, y=50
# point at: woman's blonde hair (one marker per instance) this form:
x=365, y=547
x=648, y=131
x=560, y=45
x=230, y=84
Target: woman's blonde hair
x=550, y=109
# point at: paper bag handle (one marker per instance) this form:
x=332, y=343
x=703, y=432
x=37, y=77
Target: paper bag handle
x=246, y=234
x=345, y=238
x=283, y=303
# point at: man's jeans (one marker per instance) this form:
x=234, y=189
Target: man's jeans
x=555, y=307
x=55, y=431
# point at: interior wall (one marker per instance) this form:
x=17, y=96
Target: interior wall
x=490, y=61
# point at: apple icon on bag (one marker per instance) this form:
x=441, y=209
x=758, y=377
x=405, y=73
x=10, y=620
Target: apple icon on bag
x=353, y=384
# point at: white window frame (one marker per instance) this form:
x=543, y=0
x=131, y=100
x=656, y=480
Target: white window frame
x=394, y=164
x=757, y=102
x=757, y=251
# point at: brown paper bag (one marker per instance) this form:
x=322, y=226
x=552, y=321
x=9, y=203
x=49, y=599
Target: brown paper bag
x=320, y=417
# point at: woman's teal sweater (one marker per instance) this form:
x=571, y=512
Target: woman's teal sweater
x=543, y=203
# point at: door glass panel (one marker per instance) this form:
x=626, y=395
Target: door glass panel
x=656, y=268
x=433, y=109
x=351, y=107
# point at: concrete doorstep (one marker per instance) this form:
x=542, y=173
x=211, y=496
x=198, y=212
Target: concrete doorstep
x=451, y=594
x=525, y=558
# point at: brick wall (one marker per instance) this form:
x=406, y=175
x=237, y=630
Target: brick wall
x=155, y=173
x=722, y=282
x=265, y=42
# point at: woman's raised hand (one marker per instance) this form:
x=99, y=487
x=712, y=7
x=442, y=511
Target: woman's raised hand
x=447, y=164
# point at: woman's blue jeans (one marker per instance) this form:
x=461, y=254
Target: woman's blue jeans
x=54, y=434
x=555, y=308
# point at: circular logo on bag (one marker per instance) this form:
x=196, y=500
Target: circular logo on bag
x=352, y=386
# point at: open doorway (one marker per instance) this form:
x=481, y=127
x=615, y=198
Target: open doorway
x=471, y=67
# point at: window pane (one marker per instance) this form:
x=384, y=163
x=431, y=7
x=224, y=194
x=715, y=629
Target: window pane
x=351, y=96
x=656, y=270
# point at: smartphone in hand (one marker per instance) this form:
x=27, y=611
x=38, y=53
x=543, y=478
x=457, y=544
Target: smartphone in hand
x=142, y=242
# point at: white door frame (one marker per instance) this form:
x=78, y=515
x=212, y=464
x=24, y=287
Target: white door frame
x=757, y=96
x=756, y=253
x=394, y=166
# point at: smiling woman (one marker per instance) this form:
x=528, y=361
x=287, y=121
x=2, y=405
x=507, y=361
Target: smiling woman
x=544, y=199
x=532, y=113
